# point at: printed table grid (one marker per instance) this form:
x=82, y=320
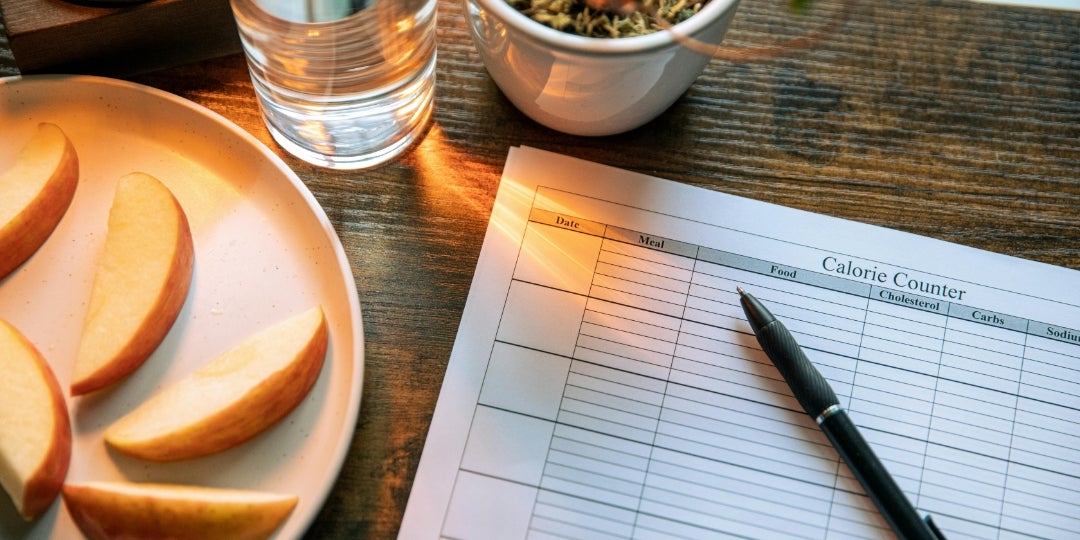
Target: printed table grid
x=656, y=415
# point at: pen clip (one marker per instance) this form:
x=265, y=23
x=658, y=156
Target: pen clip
x=933, y=527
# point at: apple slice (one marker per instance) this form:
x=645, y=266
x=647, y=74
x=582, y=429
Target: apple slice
x=38, y=188
x=232, y=398
x=108, y=510
x=140, y=286
x=35, y=433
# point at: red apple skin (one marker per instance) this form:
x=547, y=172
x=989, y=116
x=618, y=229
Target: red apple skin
x=102, y=513
x=46, y=482
x=49, y=479
x=261, y=407
x=145, y=340
x=30, y=228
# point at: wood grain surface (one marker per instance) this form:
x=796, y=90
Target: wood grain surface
x=945, y=118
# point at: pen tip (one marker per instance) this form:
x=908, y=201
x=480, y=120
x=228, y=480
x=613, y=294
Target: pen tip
x=741, y=292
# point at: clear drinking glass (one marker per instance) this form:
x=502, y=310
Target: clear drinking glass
x=344, y=84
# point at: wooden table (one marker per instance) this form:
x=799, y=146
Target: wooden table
x=945, y=118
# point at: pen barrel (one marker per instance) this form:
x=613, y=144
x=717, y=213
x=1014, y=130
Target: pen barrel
x=874, y=478
x=810, y=389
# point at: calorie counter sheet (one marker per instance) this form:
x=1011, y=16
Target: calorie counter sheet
x=605, y=384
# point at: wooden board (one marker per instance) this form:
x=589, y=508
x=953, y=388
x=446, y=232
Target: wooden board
x=60, y=36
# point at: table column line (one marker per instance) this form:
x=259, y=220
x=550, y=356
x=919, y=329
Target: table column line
x=839, y=460
x=933, y=406
x=1012, y=429
x=663, y=404
x=562, y=399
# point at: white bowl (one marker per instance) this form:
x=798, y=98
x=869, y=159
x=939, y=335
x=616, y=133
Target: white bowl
x=591, y=86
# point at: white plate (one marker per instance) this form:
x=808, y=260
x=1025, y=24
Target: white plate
x=264, y=250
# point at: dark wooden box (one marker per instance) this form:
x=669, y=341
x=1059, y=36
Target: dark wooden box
x=59, y=36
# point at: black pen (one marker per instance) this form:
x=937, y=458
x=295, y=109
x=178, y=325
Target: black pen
x=819, y=401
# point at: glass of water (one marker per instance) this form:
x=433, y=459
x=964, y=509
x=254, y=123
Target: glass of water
x=343, y=84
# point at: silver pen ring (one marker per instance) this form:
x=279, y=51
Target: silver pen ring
x=829, y=411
